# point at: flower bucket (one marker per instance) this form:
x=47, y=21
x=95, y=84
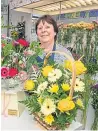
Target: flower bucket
x=53, y=102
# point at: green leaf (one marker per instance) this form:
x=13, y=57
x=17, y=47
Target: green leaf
x=8, y=49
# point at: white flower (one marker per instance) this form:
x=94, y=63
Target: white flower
x=48, y=107
x=79, y=85
x=42, y=87
x=54, y=75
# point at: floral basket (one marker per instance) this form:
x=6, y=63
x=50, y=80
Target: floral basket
x=56, y=93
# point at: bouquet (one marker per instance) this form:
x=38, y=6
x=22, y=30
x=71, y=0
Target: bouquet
x=56, y=94
x=17, y=59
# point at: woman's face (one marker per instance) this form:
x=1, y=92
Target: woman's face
x=45, y=32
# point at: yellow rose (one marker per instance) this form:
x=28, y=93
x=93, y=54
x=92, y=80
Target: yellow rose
x=46, y=70
x=65, y=87
x=29, y=85
x=80, y=68
x=65, y=105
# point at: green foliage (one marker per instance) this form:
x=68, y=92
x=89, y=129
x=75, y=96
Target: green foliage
x=92, y=67
x=94, y=96
x=7, y=49
x=86, y=95
x=95, y=123
x=36, y=48
x=32, y=104
x=60, y=121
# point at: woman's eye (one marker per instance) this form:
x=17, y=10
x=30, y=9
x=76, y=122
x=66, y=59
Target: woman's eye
x=39, y=28
x=47, y=27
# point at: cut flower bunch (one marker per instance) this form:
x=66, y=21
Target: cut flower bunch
x=50, y=100
x=17, y=58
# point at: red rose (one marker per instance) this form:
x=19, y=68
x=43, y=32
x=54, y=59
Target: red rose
x=4, y=72
x=23, y=42
x=13, y=72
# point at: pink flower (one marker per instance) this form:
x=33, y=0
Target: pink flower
x=23, y=75
x=3, y=36
x=4, y=72
x=15, y=43
x=13, y=72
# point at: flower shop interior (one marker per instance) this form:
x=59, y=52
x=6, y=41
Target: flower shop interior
x=31, y=98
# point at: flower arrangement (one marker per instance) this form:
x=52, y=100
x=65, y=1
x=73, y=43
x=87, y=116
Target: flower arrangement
x=17, y=58
x=52, y=101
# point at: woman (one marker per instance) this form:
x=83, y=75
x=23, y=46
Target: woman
x=46, y=30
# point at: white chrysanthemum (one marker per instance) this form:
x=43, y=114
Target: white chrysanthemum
x=54, y=75
x=79, y=85
x=42, y=87
x=48, y=107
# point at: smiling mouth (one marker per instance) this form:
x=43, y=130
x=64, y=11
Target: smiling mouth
x=44, y=36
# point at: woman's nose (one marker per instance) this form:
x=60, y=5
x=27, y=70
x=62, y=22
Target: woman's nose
x=43, y=29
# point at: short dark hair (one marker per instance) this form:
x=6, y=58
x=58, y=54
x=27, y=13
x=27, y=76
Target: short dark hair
x=49, y=20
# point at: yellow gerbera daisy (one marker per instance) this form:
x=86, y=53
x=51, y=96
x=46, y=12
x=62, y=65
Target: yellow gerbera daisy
x=80, y=68
x=80, y=103
x=54, y=88
x=65, y=87
x=49, y=119
x=46, y=70
x=29, y=85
